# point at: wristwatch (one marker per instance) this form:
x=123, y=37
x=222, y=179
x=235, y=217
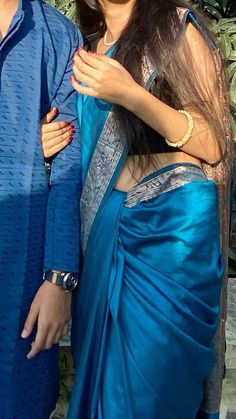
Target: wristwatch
x=66, y=280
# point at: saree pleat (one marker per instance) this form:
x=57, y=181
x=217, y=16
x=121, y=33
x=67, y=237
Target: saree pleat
x=148, y=305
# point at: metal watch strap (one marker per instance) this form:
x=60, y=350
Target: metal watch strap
x=55, y=276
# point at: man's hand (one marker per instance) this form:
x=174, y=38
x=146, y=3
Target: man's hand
x=51, y=309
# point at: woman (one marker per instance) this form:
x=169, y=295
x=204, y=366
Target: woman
x=148, y=305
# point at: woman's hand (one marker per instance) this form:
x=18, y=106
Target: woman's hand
x=51, y=309
x=55, y=135
x=103, y=78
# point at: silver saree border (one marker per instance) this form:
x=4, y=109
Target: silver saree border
x=163, y=183
x=110, y=148
x=106, y=157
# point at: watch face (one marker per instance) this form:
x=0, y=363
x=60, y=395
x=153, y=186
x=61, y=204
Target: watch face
x=70, y=281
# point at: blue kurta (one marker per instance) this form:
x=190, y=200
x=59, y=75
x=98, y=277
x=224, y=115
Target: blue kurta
x=39, y=225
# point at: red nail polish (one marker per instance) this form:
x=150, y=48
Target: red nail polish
x=69, y=139
x=72, y=131
x=72, y=126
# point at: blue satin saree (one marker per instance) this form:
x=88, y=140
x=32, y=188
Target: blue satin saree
x=148, y=305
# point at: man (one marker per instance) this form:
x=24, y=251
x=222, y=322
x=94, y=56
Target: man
x=39, y=224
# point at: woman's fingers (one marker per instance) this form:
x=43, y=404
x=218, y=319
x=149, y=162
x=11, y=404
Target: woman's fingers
x=90, y=58
x=49, y=116
x=97, y=60
x=84, y=90
x=83, y=77
x=55, y=149
x=105, y=59
x=50, y=135
x=55, y=141
x=86, y=69
x=59, y=139
x=59, y=142
x=55, y=126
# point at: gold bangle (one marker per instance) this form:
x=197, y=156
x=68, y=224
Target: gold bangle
x=187, y=135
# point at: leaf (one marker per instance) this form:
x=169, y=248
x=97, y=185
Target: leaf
x=71, y=14
x=227, y=26
x=225, y=4
x=232, y=56
x=214, y=12
x=231, y=70
x=51, y=2
x=64, y=4
x=233, y=125
x=222, y=21
x=226, y=44
x=234, y=44
x=213, y=3
x=232, y=91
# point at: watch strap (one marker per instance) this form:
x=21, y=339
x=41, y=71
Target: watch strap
x=55, y=277
x=60, y=278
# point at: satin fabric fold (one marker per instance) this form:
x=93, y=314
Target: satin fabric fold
x=148, y=304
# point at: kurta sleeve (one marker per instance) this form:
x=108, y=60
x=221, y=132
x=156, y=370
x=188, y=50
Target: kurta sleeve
x=62, y=216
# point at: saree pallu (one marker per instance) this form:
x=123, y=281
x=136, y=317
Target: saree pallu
x=148, y=304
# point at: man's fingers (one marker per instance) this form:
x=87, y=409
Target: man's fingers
x=65, y=330
x=38, y=344
x=51, y=338
x=30, y=322
x=61, y=333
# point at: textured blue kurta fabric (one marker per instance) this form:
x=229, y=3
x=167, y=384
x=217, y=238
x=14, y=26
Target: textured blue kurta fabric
x=35, y=67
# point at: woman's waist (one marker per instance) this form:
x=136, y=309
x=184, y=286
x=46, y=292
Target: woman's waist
x=137, y=168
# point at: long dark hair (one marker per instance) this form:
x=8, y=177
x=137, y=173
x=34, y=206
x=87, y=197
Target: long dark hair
x=155, y=27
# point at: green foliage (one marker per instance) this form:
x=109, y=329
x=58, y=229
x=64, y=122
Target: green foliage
x=66, y=7
x=225, y=28
x=218, y=9
x=223, y=13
